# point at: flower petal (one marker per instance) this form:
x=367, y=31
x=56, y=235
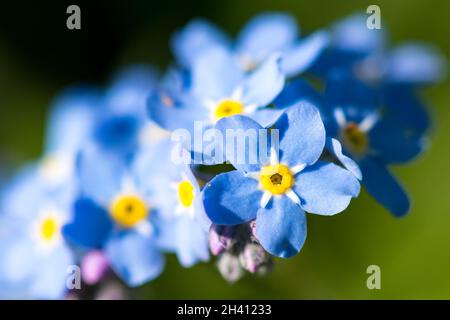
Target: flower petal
x=190, y=241
x=266, y=117
x=404, y=108
x=415, y=63
x=297, y=90
x=343, y=90
x=382, y=185
x=51, y=278
x=231, y=198
x=351, y=34
x=17, y=257
x=302, y=134
x=302, y=55
x=171, y=111
x=265, y=83
x=118, y=132
x=100, y=173
x=134, y=257
x=325, y=188
x=197, y=36
x=130, y=88
x=395, y=144
x=246, y=147
x=91, y=225
x=215, y=74
x=72, y=118
x=281, y=227
x=334, y=147
x=253, y=42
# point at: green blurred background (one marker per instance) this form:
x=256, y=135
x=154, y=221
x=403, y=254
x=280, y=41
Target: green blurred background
x=39, y=56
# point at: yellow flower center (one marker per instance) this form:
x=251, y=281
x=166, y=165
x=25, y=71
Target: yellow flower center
x=186, y=193
x=49, y=229
x=129, y=210
x=276, y=179
x=354, y=138
x=228, y=108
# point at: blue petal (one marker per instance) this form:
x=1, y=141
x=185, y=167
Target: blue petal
x=265, y=83
x=281, y=227
x=190, y=241
x=342, y=89
x=334, y=147
x=395, y=144
x=325, y=188
x=101, y=174
x=51, y=277
x=17, y=260
x=302, y=55
x=266, y=34
x=134, y=257
x=91, y=225
x=118, y=132
x=130, y=88
x=172, y=112
x=246, y=150
x=352, y=34
x=231, y=198
x=199, y=35
x=215, y=74
x=27, y=184
x=296, y=91
x=302, y=134
x=405, y=109
x=154, y=173
x=382, y=185
x=415, y=63
x=72, y=118
x=266, y=117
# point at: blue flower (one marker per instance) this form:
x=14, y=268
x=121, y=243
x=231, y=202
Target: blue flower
x=217, y=88
x=34, y=258
x=277, y=191
x=72, y=118
x=375, y=134
x=184, y=227
x=115, y=213
x=123, y=125
x=261, y=37
x=366, y=54
x=114, y=119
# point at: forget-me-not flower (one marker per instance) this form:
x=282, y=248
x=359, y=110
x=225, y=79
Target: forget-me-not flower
x=177, y=196
x=365, y=53
x=279, y=190
x=34, y=258
x=374, y=135
x=115, y=213
x=262, y=36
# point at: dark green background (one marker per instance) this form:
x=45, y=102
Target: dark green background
x=39, y=56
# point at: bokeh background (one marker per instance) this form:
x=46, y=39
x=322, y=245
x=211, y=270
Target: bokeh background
x=39, y=57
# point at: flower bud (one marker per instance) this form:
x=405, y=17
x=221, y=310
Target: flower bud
x=229, y=267
x=93, y=267
x=220, y=239
x=253, y=257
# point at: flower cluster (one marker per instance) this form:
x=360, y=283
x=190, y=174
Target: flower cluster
x=108, y=195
